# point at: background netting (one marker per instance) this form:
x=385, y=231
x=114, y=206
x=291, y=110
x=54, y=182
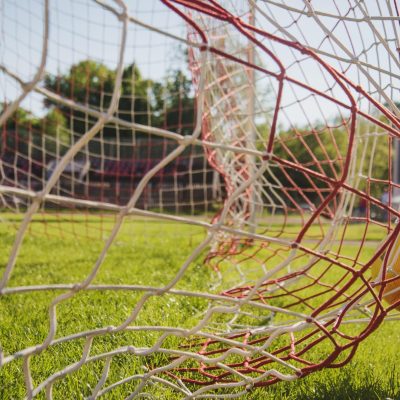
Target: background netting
x=260, y=134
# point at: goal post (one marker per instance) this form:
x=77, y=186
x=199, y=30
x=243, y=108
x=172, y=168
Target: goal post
x=197, y=198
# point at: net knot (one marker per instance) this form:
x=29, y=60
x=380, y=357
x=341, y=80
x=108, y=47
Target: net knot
x=233, y=19
x=267, y=156
x=187, y=140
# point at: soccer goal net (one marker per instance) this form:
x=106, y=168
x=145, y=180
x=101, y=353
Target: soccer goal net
x=197, y=197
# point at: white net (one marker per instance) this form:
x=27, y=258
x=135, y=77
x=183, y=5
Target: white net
x=141, y=139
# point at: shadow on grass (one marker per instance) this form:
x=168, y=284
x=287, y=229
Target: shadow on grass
x=350, y=383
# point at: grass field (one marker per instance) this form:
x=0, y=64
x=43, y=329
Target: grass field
x=144, y=253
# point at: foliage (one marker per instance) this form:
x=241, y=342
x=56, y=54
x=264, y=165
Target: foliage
x=174, y=102
x=170, y=104
x=57, y=135
x=324, y=150
x=21, y=117
x=18, y=128
x=22, y=131
x=167, y=104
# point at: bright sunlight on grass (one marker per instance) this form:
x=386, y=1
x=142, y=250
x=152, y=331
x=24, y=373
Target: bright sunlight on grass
x=146, y=253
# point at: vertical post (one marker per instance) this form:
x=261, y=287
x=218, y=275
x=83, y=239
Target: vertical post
x=252, y=135
x=396, y=172
x=395, y=108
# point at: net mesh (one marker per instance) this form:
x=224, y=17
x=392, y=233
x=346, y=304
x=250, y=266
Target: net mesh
x=260, y=136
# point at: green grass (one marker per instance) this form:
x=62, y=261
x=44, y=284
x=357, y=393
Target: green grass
x=147, y=253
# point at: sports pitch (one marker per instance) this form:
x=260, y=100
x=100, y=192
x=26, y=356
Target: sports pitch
x=146, y=253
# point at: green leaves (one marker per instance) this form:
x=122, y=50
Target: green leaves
x=167, y=104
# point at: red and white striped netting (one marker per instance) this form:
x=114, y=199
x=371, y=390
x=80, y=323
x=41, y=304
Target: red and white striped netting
x=283, y=139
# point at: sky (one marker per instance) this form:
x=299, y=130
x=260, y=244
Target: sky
x=82, y=29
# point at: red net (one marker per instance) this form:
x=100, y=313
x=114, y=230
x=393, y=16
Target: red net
x=210, y=189
x=310, y=176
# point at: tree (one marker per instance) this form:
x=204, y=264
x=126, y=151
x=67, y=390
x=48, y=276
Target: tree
x=175, y=104
x=168, y=104
x=57, y=137
x=89, y=83
x=17, y=130
x=324, y=150
x=135, y=101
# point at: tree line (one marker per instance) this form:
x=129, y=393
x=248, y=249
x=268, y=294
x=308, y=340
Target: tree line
x=170, y=104
x=167, y=104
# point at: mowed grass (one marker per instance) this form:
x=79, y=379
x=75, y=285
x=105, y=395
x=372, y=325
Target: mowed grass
x=63, y=249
